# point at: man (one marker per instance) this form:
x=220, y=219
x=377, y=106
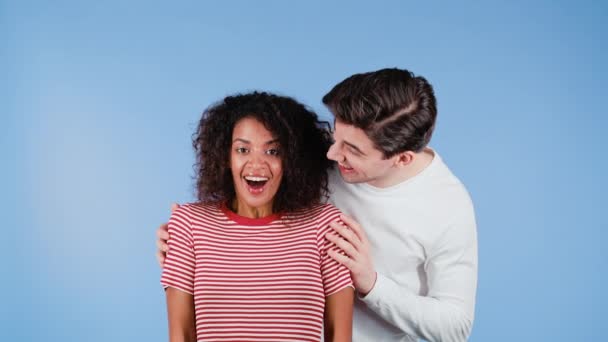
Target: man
x=415, y=265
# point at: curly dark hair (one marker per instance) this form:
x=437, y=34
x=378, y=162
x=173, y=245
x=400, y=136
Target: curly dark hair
x=303, y=139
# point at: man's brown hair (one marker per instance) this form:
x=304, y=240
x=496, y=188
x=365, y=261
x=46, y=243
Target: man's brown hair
x=395, y=108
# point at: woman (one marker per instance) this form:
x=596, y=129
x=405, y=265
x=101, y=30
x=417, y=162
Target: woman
x=249, y=261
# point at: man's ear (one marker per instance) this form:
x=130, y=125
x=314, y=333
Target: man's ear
x=404, y=158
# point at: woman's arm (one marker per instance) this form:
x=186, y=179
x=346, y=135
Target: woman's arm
x=180, y=311
x=339, y=316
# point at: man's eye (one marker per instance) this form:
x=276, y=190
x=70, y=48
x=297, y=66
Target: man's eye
x=273, y=152
x=353, y=151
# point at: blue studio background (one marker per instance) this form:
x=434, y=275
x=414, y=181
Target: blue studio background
x=98, y=101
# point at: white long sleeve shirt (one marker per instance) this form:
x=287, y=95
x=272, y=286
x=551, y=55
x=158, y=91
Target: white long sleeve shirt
x=424, y=248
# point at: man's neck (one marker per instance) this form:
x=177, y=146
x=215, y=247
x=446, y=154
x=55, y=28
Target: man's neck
x=399, y=175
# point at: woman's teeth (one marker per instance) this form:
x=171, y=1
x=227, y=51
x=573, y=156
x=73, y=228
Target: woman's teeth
x=256, y=182
x=256, y=179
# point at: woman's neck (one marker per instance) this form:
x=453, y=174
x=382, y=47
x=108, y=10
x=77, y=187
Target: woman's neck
x=245, y=210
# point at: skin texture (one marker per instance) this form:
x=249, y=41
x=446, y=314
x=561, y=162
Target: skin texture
x=180, y=310
x=339, y=316
x=255, y=152
x=358, y=160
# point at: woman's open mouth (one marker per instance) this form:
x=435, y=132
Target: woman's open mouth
x=255, y=184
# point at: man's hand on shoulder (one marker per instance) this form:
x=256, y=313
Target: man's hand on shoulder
x=351, y=239
x=162, y=235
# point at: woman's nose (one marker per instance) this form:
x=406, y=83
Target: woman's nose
x=257, y=159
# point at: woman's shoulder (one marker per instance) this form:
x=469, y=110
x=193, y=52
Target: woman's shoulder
x=328, y=209
x=320, y=213
x=197, y=209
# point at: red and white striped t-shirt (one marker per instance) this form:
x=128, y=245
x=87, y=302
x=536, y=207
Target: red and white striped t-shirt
x=254, y=279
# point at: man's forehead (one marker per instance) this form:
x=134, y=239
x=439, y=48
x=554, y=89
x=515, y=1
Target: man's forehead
x=353, y=135
x=348, y=128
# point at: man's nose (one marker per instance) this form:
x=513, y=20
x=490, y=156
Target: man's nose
x=333, y=152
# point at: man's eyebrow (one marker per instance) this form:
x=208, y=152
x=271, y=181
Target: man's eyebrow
x=355, y=148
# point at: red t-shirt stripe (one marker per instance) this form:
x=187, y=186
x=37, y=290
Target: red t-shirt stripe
x=254, y=279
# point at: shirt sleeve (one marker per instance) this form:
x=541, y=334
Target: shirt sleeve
x=446, y=313
x=335, y=276
x=178, y=270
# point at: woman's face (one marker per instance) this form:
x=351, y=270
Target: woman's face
x=256, y=167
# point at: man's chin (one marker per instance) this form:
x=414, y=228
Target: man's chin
x=351, y=178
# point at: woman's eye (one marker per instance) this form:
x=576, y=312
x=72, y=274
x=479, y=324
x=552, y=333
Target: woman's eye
x=241, y=150
x=273, y=152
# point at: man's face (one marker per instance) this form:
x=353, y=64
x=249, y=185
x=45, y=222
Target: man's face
x=358, y=159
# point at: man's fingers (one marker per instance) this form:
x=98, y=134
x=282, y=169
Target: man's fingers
x=344, y=245
x=342, y=259
x=354, y=225
x=162, y=236
x=160, y=258
x=346, y=233
x=163, y=232
x=162, y=246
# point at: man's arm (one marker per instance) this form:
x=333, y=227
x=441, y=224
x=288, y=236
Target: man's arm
x=339, y=316
x=446, y=313
x=180, y=311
